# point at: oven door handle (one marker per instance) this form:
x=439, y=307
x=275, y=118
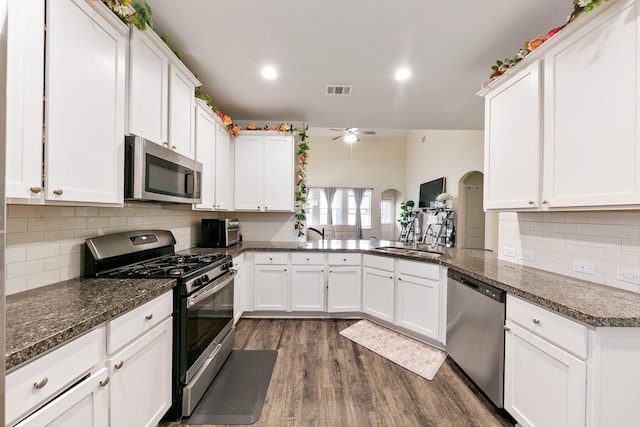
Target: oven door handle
x=207, y=292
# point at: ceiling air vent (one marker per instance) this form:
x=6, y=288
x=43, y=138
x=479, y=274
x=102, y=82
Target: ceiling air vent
x=338, y=90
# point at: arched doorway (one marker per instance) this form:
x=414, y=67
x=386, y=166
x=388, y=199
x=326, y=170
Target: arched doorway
x=471, y=217
x=389, y=229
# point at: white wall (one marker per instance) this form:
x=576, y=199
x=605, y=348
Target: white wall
x=448, y=153
x=371, y=162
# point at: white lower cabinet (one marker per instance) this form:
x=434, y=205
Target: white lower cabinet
x=239, y=284
x=307, y=288
x=271, y=281
x=86, y=404
x=140, y=390
x=344, y=289
x=545, y=380
x=418, y=297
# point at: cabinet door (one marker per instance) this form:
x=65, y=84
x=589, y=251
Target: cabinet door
x=248, y=182
x=223, y=172
x=25, y=85
x=418, y=302
x=85, y=107
x=512, y=142
x=591, y=138
x=239, y=284
x=344, y=293
x=205, y=153
x=86, y=404
x=140, y=390
x=377, y=293
x=271, y=288
x=278, y=173
x=543, y=385
x=181, y=111
x=307, y=288
x=148, y=87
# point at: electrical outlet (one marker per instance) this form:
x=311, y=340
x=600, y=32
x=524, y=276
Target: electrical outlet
x=584, y=267
x=527, y=255
x=509, y=251
x=628, y=275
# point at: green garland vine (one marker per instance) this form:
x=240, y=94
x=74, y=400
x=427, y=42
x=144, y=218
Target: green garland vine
x=301, y=179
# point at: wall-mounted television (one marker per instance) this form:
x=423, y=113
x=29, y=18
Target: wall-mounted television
x=429, y=191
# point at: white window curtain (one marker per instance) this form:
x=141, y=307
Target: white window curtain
x=358, y=194
x=329, y=193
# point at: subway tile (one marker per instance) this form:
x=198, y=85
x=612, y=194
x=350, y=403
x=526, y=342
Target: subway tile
x=578, y=217
x=606, y=217
x=554, y=216
x=43, y=224
x=29, y=238
x=17, y=254
x=24, y=268
x=16, y=285
x=632, y=245
x=58, y=235
x=59, y=211
x=71, y=272
x=17, y=225
x=42, y=279
x=25, y=211
x=590, y=252
x=565, y=228
x=624, y=231
x=71, y=247
x=610, y=243
x=43, y=251
x=73, y=223
x=591, y=229
x=86, y=211
x=623, y=257
x=97, y=222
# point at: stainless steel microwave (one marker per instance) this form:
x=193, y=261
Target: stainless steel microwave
x=154, y=173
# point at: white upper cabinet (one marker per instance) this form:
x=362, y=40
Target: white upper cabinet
x=264, y=172
x=84, y=112
x=25, y=78
x=591, y=101
x=205, y=131
x=224, y=169
x=572, y=103
x=182, y=85
x=512, y=142
x=148, y=86
x=85, y=102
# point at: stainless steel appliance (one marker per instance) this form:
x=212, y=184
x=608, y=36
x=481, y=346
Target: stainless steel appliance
x=154, y=173
x=475, y=335
x=204, y=334
x=3, y=123
x=220, y=233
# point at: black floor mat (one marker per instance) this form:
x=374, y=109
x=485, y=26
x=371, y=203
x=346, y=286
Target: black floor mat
x=238, y=391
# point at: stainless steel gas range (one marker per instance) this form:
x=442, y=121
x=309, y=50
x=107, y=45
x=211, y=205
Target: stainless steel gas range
x=203, y=302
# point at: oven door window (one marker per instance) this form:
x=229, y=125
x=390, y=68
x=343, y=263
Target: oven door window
x=163, y=177
x=232, y=235
x=206, y=319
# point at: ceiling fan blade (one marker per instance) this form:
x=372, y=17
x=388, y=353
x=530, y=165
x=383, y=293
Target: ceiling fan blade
x=339, y=136
x=367, y=132
x=337, y=130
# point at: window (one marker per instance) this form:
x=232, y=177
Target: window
x=343, y=208
x=386, y=211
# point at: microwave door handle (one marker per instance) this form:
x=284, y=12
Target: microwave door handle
x=207, y=292
x=189, y=182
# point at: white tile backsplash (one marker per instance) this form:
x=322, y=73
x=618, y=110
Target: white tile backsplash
x=45, y=243
x=608, y=239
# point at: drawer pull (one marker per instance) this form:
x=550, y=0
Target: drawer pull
x=506, y=328
x=270, y=259
x=119, y=364
x=58, y=192
x=149, y=316
x=536, y=321
x=41, y=382
x=104, y=382
x=531, y=202
x=344, y=259
x=35, y=189
x=307, y=259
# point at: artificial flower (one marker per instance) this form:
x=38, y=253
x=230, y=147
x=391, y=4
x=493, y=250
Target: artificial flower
x=227, y=120
x=535, y=43
x=552, y=33
x=235, y=129
x=283, y=127
x=443, y=197
x=252, y=126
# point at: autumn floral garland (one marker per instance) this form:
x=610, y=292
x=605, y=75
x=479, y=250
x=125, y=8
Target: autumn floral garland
x=579, y=7
x=301, y=180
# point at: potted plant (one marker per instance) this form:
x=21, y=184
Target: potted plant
x=405, y=220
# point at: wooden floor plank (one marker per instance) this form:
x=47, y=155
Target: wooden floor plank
x=324, y=379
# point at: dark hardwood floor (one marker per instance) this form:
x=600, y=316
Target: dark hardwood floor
x=323, y=379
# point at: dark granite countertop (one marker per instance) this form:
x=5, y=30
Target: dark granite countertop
x=587, y=302
x=43, y=318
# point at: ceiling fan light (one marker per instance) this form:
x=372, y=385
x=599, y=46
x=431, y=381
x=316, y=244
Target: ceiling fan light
x=350, y=138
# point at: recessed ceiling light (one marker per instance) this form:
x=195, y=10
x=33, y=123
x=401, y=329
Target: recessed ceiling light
x=403, y=74
x=269, y=73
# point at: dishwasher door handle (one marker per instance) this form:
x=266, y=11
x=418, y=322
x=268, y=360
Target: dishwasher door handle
x=468, y=283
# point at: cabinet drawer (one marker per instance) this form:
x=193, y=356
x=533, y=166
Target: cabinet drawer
x=271, y=258
x=419, y=269
x=307, y=258
x=56, y=370
x=344, y=259
x=380, y=262
x=238, y=261
x=127, y=327
x=562, y=332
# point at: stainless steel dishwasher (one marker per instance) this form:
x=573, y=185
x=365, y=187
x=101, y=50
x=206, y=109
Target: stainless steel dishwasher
x=475, y=334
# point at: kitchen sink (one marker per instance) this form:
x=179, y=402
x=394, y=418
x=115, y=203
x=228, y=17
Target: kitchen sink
x=409, y=251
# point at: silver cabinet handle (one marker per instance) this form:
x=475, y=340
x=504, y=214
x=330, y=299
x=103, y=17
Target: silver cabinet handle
x=35, y=189
x=536, y=321
x=545, y=202
x=531, y=202
x=41, y=382
x=58, y=192
x=165, y=144
x=149, y=316
x=506, y=328
x=104, y=382
x=119, y=364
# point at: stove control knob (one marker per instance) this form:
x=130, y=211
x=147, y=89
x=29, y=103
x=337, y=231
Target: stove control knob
x=205, y=279
x=197, y=283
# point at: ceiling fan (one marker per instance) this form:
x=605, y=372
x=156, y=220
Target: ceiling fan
x=351, y=134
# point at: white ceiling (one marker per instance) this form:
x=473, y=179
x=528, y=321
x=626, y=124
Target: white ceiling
x=448, y=45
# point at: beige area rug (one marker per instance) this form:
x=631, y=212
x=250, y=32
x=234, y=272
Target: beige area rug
x=413, y=355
